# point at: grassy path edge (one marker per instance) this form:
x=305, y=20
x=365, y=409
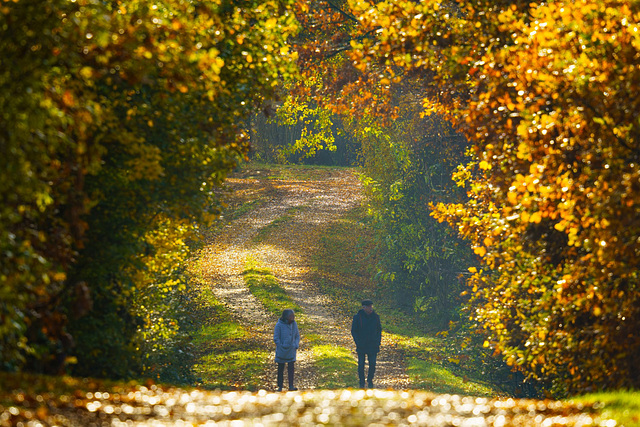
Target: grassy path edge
x=334, y=365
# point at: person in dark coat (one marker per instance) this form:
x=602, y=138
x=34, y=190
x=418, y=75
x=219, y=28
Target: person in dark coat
x=287, y=339
x=366, y=331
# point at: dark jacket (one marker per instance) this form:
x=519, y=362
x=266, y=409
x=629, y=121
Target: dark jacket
x=366, y=331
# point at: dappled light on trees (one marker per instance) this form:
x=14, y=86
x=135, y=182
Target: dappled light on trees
x=403, y=154
x=545, y=94
x=118, y=121
x=120, y=118
x=554, y=214
x=551, y=114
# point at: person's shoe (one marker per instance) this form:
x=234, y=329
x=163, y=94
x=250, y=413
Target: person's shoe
x=279, y=388
x=370, y=385
x=293, y=389
x=362, y=384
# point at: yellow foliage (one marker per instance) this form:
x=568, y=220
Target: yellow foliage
x=484, y=165
x=480, y=250
x=551, y=112
x=145, y=162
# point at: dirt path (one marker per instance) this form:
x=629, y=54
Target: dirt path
x=286, y=250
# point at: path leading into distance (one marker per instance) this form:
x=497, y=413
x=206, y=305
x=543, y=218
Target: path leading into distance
x=286, y=250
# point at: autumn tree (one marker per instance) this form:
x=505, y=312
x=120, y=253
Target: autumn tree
x=118, y=120
x=408, y=153
x=404, y=153
x=544, y=92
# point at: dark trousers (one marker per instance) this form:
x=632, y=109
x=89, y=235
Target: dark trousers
x=372, y=356
x=289, y=374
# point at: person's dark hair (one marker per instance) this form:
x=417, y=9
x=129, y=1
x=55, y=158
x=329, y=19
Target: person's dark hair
x=285, y=314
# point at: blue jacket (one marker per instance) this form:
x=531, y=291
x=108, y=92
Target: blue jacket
x=287, y=339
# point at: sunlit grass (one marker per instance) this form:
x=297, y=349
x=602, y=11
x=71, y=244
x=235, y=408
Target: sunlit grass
x=242, y=369
x=430, y=368
x=209, y=334
x=265, y=287
x=209, y=304
x=622, y=406
x=228, y=357
x=314, y=339
x=417, y=343
x=335, y=366
x=434, y=377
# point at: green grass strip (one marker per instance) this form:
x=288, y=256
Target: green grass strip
x=229, y=358
x=289, y=214
x=439, y=379
x=264, y=286
x=218, y=332
x=335, y=366
x=622, y=406
x=242, y=369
